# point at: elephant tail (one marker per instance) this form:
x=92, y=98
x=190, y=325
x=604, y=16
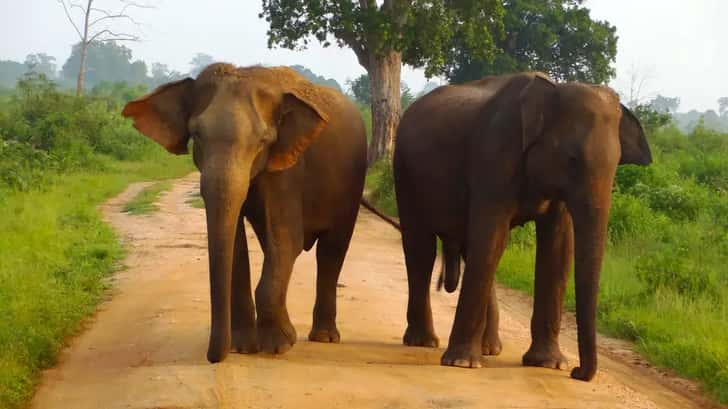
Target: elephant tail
x=450, y=269
x=379, y=214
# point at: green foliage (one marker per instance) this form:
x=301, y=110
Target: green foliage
x=106, y=61
x=43, y=129
x=10, y=72
x=380, y=187
x=361, y=89
x=317, y=79
x=145, y=202
x=60, y=157
x=120, y=92
x=41, y=63
x=196, y=201
x=422, y=30
x=665, y=104
x=650, y=118
x=557, y=37
x=199, y=62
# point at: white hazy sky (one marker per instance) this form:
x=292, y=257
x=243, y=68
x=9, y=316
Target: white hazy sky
x=678, y=45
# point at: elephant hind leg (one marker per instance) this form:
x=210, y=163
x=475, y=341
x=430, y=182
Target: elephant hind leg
x=419, y=251
x=244, y=334
x=330, y=253
x=554, y=249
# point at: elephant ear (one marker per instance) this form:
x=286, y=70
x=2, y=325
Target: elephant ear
x=301, y=120
x=635, y=149
x=162, y=115
x=537, y=103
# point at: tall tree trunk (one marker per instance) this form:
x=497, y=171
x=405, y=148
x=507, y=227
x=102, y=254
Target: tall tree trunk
x=84, y=49
x=384, y=77
x=81, y=69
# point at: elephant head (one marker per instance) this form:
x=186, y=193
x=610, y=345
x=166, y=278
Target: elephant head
x=574, y=137
x=243, y=121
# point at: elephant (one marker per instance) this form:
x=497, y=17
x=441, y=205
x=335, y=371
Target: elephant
x=285, y=154
x=472, y=161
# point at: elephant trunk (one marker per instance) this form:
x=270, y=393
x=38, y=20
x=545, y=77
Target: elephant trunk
x=224, y=193
x=590, y=229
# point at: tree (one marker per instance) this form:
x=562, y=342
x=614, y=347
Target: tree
x=316, y=79
x=723, y=106
x=42, y=64
x=161, y=74
x=665, y=105
x=199, y=62
x=105, y=61
x=89, y=31
x=407, y=98
x=383, y=35
x=557, y=37
x=10, y=72
x=361, y=90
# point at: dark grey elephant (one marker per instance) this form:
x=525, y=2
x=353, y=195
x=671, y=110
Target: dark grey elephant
x=472, y=161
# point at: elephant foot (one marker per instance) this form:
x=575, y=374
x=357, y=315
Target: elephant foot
x=547, y=358
x=218, y=348
x=583, y=374
x=492, y=345
x=276, y=338
x=463, y=356
x=245, y=341
x=420, y=337
x=324, y=334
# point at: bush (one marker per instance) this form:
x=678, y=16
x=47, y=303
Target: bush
x=672, y=269
x=380, y=187
x=45, y=130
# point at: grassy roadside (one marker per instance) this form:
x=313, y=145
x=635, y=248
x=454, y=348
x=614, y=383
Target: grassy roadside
x=56, y=254
x=145, y=202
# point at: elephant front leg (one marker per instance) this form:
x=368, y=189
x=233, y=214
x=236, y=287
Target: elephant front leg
x=491, y=340
x=244, y=334
x=276, y=334
x=486, y=241
x=554, y=249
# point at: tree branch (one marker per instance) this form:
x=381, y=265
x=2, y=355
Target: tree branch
x=114, y=36
x=70, y=19
x=113, y=16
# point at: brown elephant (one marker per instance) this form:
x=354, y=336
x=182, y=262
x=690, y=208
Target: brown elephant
x=472, y=161
x=287, y=155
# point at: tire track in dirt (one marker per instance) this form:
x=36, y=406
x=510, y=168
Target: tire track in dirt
x=145, y=348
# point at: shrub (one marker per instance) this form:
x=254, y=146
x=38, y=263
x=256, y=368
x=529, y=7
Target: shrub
x=380, y=186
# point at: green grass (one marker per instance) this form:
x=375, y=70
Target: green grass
x=687, y=334
x=380, y=187
x=195, y=200
x=55, y=255
x=145, y=202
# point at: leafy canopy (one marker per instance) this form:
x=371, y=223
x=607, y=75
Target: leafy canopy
x=421, y=30
x=106, y=61
x=558, y=37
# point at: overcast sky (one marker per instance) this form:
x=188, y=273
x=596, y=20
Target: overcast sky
x=678, y=45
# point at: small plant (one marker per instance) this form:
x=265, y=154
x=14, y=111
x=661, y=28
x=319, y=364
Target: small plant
x=145, y=202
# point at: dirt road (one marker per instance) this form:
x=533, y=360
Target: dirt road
x=145, y=348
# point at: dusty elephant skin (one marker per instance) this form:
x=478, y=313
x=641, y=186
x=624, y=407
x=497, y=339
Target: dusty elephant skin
x=286, y=155
x=472, y=161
